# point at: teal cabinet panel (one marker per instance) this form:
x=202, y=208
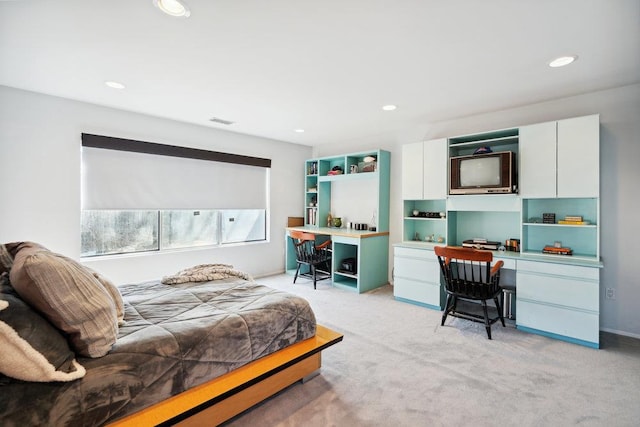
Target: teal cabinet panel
x=371, y=165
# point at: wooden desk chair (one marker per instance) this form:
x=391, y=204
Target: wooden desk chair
x=316, y=257
x=469, y=275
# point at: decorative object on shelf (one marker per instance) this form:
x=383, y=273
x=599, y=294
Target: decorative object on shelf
x=336, y=170
x=416, y=236
x=512, y=245
x=440, y=239
x=337, y=222
x=329, y=220
x=368, y=164
x=548, y=218
x=416, y=212
x=429, y=238
x=353, y=169
x=535, y=220
x=557, y=244
x=443, y=215
x=374, y=222
x=483, y=150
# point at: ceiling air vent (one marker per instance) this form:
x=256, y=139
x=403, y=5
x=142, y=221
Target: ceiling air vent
x=220, y=121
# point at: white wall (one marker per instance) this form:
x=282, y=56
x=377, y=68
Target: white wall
x=40, y=181
x=619, y=110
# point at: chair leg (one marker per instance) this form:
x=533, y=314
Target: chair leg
x=487, y=325
x=499, y=306
x=297, y=271
x=447, y=309
x=313, y=273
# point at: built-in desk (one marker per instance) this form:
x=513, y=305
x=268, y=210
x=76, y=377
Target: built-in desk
x=369, y=248
x=556, y=296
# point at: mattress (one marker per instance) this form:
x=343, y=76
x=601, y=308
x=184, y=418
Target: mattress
x=174, y=337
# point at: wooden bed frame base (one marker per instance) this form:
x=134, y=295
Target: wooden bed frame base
x=224, y=397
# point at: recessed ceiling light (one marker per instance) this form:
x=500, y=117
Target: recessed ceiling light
x=562, y=61
x=173, y=7
x=389, y=107
x=299, y=130
x=114, y=85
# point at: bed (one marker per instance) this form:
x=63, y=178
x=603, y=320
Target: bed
x=185, y=354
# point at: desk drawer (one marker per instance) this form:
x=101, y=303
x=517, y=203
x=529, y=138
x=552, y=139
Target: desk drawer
x=549, y=268
x=560, y=290
x=566, y=322
x=425, y=270
x=509, y=263
x=426, y=293
x=414, y=253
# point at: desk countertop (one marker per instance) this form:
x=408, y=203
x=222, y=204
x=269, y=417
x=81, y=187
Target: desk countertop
x=344, y=232
x=526, y=256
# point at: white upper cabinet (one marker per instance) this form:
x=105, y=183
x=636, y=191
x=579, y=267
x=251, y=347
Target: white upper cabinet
x=537, y=173
x=560, y=159
x=435, y=160
x=412, y=167
x=579, y=157
x=424, y=170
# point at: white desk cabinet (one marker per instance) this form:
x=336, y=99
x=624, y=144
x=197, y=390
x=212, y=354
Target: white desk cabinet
x=559, y=300
x=417, y=277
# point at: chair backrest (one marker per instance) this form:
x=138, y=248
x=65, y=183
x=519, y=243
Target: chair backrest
x=306, y=249
x=468, y=272
x=302, y=235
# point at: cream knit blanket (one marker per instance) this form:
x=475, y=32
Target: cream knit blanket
x=204, y=273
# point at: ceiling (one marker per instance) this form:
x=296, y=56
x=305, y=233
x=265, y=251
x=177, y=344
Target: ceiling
x=323, y=66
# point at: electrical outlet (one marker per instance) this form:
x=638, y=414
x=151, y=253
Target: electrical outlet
x=610, y=294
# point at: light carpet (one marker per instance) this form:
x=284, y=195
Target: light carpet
x=398, y=367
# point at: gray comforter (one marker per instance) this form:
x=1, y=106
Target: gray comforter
x=175, y=337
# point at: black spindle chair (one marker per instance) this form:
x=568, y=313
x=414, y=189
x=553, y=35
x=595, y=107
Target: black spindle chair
x=316, y=256
x=469, y=275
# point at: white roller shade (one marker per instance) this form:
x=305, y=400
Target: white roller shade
x=113, y=179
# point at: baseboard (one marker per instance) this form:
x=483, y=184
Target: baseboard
x=623, y=333
x=275, y=273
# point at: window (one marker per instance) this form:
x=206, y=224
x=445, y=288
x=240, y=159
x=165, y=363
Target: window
x=139, y=196
x=109, y=232
x=186, y=228
x=115, y=232
x=247, y=225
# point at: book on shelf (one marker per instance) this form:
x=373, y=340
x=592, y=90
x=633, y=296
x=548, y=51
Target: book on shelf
x=557, y=251
x=570, y=222
x=573, y=218
x=312, y=214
